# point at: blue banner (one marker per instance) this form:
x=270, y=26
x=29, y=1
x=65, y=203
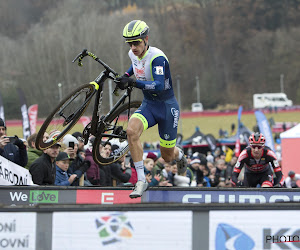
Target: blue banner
x=265, y=129
x=213, y=196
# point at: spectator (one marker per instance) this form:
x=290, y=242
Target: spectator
x=120, y=171
x=192, y=171
x=159, y=163
x=148, y=166
x=213, y=179
x=179, y=180
x=133, y=179
x=210, y=157
x=202, y=174
x=33, y=153
x=93, y=172
x=206, y=180
x=78, y=166
x=168, y=169
x=16, y=151
x=228, y=154
x=291, y=180
x=62, y=164
x=221, y=172
x=105, y=171
x=80, y=140
x=43, y=169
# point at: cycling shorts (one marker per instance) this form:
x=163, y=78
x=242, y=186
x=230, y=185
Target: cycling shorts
x=252, y=179
x=163, y=113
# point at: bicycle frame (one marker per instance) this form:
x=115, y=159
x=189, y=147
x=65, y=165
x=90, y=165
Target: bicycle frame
x=97, y=118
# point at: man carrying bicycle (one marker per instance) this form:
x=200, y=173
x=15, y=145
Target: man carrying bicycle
x=152, y=71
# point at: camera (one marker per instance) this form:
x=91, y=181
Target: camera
x=12, y=139
x=71, y=144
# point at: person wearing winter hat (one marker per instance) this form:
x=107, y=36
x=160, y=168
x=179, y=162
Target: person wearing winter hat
x=80, y=139
x=14, y=151
x=62, y=164
x=152, y=156
x=291, y=180
x=79, y=165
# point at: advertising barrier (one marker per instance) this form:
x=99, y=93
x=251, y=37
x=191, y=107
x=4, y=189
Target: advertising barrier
x=31, y=195
x=122, y=230
x=213, y=196
x=17, y=230
x=243, y=230
x=105, y=197
x=13, y=174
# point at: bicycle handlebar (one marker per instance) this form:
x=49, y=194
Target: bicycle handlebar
x=85, y=53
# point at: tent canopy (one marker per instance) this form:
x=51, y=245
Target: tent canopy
x=291, y=133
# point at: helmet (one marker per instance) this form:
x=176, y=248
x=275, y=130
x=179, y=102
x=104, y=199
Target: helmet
x=257, y=138
x=135, y=30
x=291, y=173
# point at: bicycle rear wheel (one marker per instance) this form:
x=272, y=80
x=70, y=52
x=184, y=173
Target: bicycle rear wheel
x=65, y=115
x=114, y=131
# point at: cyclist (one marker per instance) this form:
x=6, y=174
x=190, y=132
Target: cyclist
x=152, y=71
x=257, y=159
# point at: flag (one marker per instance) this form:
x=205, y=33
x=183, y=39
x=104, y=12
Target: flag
x=1, y=109
x=32, y=113
x=238, y=142
x=265, y=129
x=24, y=111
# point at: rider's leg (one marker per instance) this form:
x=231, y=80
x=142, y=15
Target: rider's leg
x=174, y=153
x=134, y=131
x=170, y=154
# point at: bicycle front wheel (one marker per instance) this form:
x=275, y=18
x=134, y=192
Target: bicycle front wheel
x=65, y=116
x=114, y=131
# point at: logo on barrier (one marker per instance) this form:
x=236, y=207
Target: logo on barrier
x=285, y=237
x=43, y=196
x=114, y=228
x=229, y=237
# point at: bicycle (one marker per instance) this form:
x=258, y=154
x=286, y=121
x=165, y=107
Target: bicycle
x=110, y=127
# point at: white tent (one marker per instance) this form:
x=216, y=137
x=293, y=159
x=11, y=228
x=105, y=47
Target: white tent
x=290, y=145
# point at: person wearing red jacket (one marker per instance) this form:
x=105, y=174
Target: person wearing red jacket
x=257, y=159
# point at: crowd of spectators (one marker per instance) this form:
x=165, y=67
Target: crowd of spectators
x=70, y=162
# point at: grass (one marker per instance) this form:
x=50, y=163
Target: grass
x=207, y=124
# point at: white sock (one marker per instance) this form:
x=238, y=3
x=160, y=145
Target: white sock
x=179, y=155
x=139, y=166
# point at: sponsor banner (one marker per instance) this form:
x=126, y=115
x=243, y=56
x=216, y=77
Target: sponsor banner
x=204, y=196
x=24, y=111
x=265, y=129
x=238, y=143
x=2, y=109
x=17, y=230
x=122, y=230
x=105, y=197
x=32, y=114
x=26, y=197
x=13, y=174
x=240, y=230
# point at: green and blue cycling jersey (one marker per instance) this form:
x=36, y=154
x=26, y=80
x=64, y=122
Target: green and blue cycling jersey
x=159, y=105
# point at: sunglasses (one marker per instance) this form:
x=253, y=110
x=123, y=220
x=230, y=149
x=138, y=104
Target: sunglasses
x=257, y=146
x=135, y=43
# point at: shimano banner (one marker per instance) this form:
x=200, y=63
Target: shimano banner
x=24, y=111
x=265, y=129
